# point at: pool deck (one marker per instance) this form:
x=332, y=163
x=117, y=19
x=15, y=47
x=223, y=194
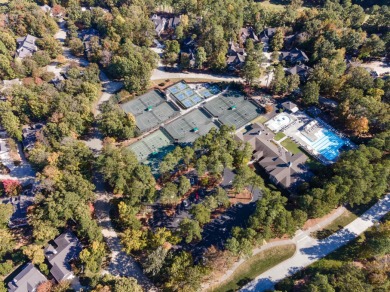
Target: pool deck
x=327, y=151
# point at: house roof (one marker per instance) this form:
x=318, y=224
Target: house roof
x=301, y=70
x=268, y=32
x=227, y=180
x=281, y=165
x=287, y=168
x=294, y=56
x=288, y=105
x=27, y=280
x=26, y=46
x=67, y=248
x=248, y=32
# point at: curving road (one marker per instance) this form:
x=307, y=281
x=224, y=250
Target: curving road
x=310, y=250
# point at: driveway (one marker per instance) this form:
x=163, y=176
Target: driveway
x=310, y=250
x=23, y=172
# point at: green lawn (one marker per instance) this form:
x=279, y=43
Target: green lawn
x=290, y=146
x=279, y=136
x=261, y=119
x=345, y=218
x=256, y=265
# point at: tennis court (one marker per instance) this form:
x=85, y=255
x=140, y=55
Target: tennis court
x=190, y=126
x=233, y=109
x=184, y=94
x=142, y=103
x=150, y=110
x=152, y=147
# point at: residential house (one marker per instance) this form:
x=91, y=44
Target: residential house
x=266, y=35
x=163, y=23
x=295, y=56
x=20, y=205
x=65, y=249
x=293, y=40
x=290, y=106
x=47, y=9
x=236, y=57
x=284, y=168
x=88, y=35
x=7, y=84
x=27, y=280
x=26, y=46
x=188, y=49
x=248, y=33
x=29, y=136
x=301, y=70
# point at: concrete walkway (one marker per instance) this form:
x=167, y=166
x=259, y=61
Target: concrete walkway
x=310, y=250
x=299, y=236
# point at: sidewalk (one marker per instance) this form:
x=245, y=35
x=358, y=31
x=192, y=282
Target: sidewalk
x=310, y=250
x=300, y=235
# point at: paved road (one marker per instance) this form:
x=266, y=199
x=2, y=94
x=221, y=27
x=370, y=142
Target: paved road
x=310, y=249
x=121, y=264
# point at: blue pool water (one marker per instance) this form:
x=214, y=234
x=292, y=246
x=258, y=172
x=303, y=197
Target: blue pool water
x=329, y=144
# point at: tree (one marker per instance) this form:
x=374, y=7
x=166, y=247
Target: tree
x=277, y=40
x=92, y=257
x=124, y=284
x=310, y=93
x=373, y=46
x=10, y=121
x=200, y=57
x=358, y=125
x=201, y=213
x=12, y=187
x=51, y=45
x=6, y=242
x=127, y=216
x=121, y=170
x=6, y=211
x=184, y=185
x=155, y=261
x=76, y=46
x=42, y=58
x=251, y=70
x=190, y=230
x=133, y=240
x=35, y=253
x=221, y=197
x=168, y=195
x=114, y=122
x=171, y=53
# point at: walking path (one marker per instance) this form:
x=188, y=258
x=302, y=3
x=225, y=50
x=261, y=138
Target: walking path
x=310, y=250
x=299, y=236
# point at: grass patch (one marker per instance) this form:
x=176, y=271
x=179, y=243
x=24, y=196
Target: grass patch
x=337, y=224
x=272, y=6
x=261, y=119
x=279, y=136
x=254, y=266
x=290, y=146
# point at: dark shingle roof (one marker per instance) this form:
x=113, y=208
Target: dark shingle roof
x=67, y=248
x=27, y=280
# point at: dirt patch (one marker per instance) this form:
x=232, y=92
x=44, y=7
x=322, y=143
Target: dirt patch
x=245, y=197
x=312, y=222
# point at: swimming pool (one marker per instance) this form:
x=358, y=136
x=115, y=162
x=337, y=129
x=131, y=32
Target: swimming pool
x=328, y=144
x=278, y=122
